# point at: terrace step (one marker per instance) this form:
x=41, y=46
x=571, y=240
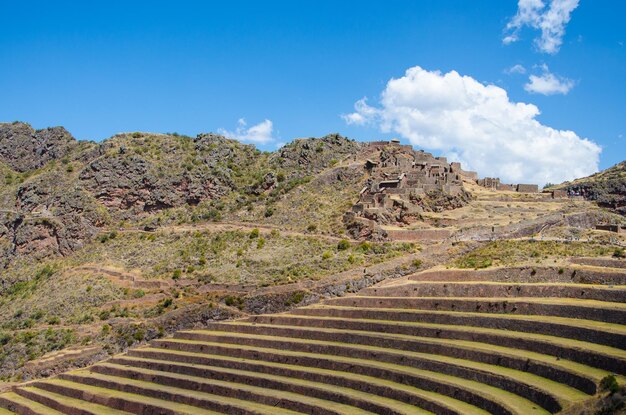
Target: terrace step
x=582, y=377
x=82, y=382
x=65, y=404
x=132, y=403
x=559, y=307
x=24, y=406
x=304, y=396
x=595, y=355
x=550, y=394
x=6, y=412
x=608, y=334
x=190, y=362
x=420, y=288
x=487, y=397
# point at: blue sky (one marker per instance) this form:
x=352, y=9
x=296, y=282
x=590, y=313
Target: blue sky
x=99, y=68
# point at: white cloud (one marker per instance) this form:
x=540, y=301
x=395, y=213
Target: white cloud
x=478, y=125
x=260, y=133
x=515, y=69
x=551, y=20
x=548, y=84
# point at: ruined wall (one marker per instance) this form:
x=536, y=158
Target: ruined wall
x=527, y=188
x=418, y=234
x=525, y=274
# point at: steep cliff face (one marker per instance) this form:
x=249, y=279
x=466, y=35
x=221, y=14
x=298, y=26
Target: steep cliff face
x=25, y=149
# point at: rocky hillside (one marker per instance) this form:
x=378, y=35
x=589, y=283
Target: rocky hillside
x=58, y=193
x=607, y=188
x=104, y=245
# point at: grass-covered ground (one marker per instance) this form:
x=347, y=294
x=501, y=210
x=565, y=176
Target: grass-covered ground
x=516, y=252
x=64, y=301
x=251, y=257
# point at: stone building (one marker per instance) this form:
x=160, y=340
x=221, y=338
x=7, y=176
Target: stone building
x=494, y=183
x=398, y=174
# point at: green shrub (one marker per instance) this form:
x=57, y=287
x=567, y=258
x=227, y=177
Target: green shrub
x=232, y=301
x=177, y=274
x=139, y=335
x=343, y=245
x=5, y=338
x=326, y=255
x=260, y=243
x=417, y=263
x=254, y=233
x=139, y=293
x=364, y=247
x=37, y=315
x=296, y=297
x=311, y=228
x=609, y=384
x=53, y=320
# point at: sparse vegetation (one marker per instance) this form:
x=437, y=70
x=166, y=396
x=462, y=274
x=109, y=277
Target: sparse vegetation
x=510, y=252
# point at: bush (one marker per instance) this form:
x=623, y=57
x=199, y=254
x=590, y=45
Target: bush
x=254, y=233
x=261, y=243
x=233, y=301
x=609, y=384
x=417, y=263
x=343, y=245
x=139, y=293
x=311, y=228
x=364, y=247
x=295, y=298
x=177, y=274
x=268, y=212
x=619, y=253
x=326, y=255
x=53, y=320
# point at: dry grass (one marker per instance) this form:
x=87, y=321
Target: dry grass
x=515, y=252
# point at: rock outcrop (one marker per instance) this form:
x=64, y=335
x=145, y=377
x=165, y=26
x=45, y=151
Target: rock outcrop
x=25, y=149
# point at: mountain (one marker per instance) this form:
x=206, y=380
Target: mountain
x=107, y=244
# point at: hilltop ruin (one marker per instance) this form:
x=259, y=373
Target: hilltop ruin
x=403, y=183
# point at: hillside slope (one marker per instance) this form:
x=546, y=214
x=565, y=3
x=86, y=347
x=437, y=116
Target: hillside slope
x=607, y=188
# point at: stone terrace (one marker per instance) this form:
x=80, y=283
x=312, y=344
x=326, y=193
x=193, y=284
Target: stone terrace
x=420, y=345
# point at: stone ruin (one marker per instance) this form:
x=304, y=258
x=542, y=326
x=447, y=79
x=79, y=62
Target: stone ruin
x=494, y=183
x=399, y=177
x=403, y=183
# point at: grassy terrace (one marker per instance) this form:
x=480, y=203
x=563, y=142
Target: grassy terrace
x=564, y=394
x=258, y=257
x=279, y=390
x=359, y=336
x=262, y=369
x=389, y=349
x=516, y=252
x=40, y=315
x=508, y=400
x=568, y=343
